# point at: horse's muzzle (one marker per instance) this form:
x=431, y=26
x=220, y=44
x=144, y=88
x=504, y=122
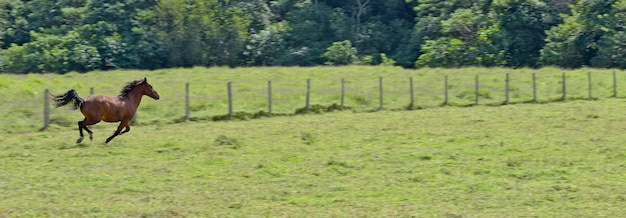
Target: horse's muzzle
x=157, y=97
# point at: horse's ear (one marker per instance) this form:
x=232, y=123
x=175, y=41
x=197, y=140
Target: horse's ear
x=145, y=79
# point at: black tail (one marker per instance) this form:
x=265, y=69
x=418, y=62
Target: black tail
x=69, y=96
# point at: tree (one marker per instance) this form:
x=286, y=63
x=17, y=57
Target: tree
x=386, y=61
x=574, y=43
x=170, y=33
x=467, y=35
x=522, y=25
x=266, y=47
x=563, y=45
x=51, y=53
x=14, y=26
x=341, y=53
x=442, y=52
x=612, y=44
x=310, y=33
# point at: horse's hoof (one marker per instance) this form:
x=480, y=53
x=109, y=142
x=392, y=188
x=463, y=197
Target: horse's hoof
x=90, y=137
x=79, y=140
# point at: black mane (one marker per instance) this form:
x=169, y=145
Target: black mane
x=129, y=87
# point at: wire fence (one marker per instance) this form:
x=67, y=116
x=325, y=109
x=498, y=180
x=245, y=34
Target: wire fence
x=251, y=99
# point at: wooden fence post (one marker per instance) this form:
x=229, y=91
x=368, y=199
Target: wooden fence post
x=269, y=97
x=589, y=78
x=308, y=95
x=187, y=113
x=506, y=95
x=445, y=101
x=477, y=87
x=46, y=109
x=230, y=100
x=343, y=91
x=412, y=104
x=91, y=91
x=534, y=87
x=380, y=85
x=614, y=85
x=564, y=87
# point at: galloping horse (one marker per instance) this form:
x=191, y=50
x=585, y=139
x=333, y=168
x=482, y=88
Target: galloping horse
x=98, y=108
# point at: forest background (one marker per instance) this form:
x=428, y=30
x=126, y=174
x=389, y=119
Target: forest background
x=60, y=36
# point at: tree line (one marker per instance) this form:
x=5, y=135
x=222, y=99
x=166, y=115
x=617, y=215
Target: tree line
x=60, y=36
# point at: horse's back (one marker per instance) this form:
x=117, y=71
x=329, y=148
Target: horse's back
x=102, y=107
x=102, y=101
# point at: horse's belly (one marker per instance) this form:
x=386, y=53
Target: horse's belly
x=108, y=119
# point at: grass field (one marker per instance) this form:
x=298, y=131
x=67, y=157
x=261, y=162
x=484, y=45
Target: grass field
x=23, y=106
x=556, y=159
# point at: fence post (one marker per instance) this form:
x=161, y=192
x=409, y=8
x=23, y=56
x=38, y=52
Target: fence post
x=308, y=95
x=269, y=97
x=380, y=85
x=91, y=91
x=412, y=104
x=614, y=85
x=507, y=81
x=343, y=91
x=589, y=78
x=477, y=86
x=564, y=87
x=534, y=87
x=186, y=101
x=46, y=109
x=230, y=99
x=445, y=101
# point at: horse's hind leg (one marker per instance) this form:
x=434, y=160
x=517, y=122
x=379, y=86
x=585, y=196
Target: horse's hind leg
x=83, y=125
x=80, y=130
x=117, y=132
x=127, y=128
x=90, y=133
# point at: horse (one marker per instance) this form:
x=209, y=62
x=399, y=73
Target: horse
x=98, y=108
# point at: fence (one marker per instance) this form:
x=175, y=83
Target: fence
x=396, y=94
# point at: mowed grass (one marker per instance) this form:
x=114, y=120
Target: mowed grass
x=559, y=159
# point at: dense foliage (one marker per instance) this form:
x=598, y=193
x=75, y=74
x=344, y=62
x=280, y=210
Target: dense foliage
x=80, y=35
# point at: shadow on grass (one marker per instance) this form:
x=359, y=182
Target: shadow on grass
x=321, y=109
x=73, y=146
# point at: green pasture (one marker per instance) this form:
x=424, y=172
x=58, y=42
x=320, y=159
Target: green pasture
x=525, y=160
x=548, y=159
x=23, y=95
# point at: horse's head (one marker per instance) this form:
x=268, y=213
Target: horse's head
x=149, y=90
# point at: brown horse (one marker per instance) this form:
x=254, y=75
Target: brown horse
x=98, y=108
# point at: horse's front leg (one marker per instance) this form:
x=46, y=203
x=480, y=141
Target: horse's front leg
x=117, y=132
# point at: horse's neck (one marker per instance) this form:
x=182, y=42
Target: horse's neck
x=134, y=98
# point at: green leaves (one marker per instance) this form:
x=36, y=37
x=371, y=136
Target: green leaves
x=150, y=34
x=522, y=26
x=50, y=53
x=587, y=37
x=341, y=53
x=443, y=52
x=201, y=32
